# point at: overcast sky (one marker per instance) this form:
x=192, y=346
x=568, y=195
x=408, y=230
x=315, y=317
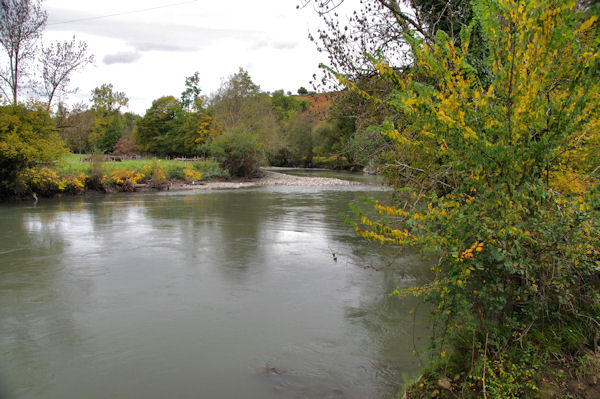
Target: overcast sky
x=147, y=54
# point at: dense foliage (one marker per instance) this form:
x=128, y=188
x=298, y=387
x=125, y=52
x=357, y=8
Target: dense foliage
x=159, y=131
x=501, y=189
x=28, y=139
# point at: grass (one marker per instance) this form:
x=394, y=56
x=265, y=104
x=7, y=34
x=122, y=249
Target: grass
x=73, y=164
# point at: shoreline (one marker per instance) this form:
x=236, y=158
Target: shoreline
x=269, y=178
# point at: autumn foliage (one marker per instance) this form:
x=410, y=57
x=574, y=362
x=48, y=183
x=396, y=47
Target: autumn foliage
x=28, y=140
x=498, y=186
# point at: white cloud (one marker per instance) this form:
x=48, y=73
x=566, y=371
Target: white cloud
x=148, y=54
x=125, y=57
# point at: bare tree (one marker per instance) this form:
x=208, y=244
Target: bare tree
x=371, y=29
x=21, y=25
x=379, y=29
x=58, y=62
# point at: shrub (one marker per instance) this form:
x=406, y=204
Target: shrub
x=43, y=181
x=155, y=174
x=122, y=179
x=75, y=184
x=97, y=172
x=239, y=152
x=191, y=174
x=515, y=260
x=28, y=140
x=176, y=171
x=210, y=170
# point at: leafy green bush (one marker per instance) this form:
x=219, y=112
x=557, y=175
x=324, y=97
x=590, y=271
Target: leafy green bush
x=210, y=170
x=176, y=171
x=28, y=139
x=331, y=162
x=239, y=152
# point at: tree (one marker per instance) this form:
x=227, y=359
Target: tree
x=286, y=107
x=240, y=107
x=106, y=99
x=75, y=126
x=302, y=91
x=514, y=258
x=108, y=124
x=248, y=123
x=160, y=131
x=21, y=25
x=299, y=140
x=198, y=129
x=112, y=132
x=381, y=27
x=126, y=146
x=190, y=97
x=59, y=61
x=240, y=152
x=232, y=101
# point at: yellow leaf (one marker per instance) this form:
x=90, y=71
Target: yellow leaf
x=587, y=24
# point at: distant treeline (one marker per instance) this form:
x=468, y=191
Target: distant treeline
x=238, y=121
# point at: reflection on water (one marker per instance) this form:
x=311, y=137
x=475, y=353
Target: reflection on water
x=192, y=294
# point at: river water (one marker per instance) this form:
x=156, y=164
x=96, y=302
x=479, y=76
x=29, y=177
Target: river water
x=200, y=295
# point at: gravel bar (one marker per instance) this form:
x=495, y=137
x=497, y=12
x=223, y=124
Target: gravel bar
x=268, y=179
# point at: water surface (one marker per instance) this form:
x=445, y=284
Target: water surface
x=191, y=294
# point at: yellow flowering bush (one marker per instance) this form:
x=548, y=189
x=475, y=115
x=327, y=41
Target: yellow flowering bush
x=154, y=172
x=191, y=174
x=43, y=181
x=75, y=183
x=122, y=179
x=159, y=176
x=496, y=184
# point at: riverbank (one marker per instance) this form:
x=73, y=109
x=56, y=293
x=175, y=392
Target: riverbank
x=269, y=178
x=128, y=182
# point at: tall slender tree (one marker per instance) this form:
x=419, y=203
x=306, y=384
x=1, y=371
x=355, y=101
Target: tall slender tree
x=191, y=99
x=21, y=25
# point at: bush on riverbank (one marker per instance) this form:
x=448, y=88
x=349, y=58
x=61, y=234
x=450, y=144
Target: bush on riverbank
x=28, y=140
x=240, y=153
x=515, y=299
x=332, y=162
x=74, y=175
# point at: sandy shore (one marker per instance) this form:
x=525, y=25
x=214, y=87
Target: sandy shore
x=269, y=179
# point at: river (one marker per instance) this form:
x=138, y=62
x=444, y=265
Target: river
x=259, y=293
